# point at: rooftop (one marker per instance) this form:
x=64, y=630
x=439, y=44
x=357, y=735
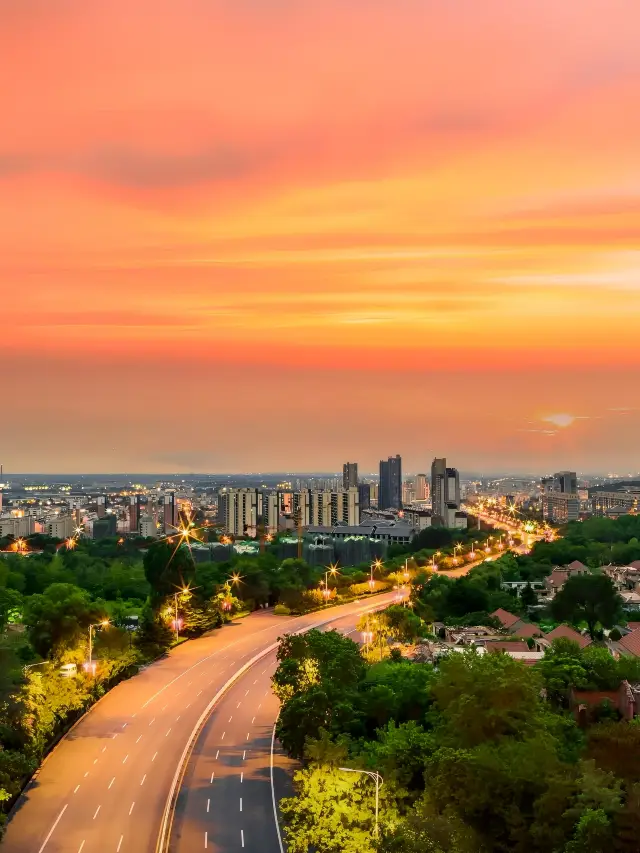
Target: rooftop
x=569, y=634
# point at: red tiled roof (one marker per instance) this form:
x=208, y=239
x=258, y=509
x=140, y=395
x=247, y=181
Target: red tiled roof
x=635, y=564
x=631, y=642
x=570, y=634
x=577, y=565
x=507, y=619
x=558, y=577
x=633, y=625
x=528, y=630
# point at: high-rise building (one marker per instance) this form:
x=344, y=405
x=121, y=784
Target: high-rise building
x=350, y=475
x=105, y=527
x=560, y=507
x=169, y=512
x=390, y=490
x=615, y=503
x=562, y=481
x=408, y=492
x=101, y=506
x=453, y=487
x=239, y=510
x=134, y=513
x=567, y=481
x=364, y=495
x=421, y=487
x=439, y=488
x=445, y=489
x=148, y=528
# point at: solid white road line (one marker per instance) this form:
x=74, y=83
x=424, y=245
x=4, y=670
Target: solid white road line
x=248, y=733
x=212, y=775
x=119, y=844
x=208, y=804
x=240, y=803
x=152, y=721
x=242, y=836
x=124, y=760
x=168, y=732
x=253, y=719
x=244, y=753
x=273, y=792
x=56, y=822
x=132, y=805
x=241, y=777
x=96, y=814
x=111, y=782
x=75, y=790
x=81, y=846
x=223, y=734
x=205, y=839
x=217, y=754
x=230, y=718
x=139, y=739
x=154, y=757
x=143, y=778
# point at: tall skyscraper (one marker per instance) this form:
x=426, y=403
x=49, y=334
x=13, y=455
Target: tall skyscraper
x=422, y=487
x=566, y=481
x=445, y=488
x=101, y=506
x=350, y=475
x=134, y=513
x=364, y=495
x=169, y=512
x=390, y=491
x=439, y=488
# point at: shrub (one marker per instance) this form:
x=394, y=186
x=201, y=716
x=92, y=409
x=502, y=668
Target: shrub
x=282, y=610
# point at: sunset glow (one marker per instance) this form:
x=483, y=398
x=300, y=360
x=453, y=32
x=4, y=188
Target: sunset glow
x=273, y=236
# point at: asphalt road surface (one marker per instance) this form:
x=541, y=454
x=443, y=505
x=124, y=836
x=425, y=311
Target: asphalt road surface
x=104, y=788
x=227, y=800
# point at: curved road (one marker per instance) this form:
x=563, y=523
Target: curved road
x=227, y=800
x=104, y=788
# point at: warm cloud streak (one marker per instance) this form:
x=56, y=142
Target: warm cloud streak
x=416, y=225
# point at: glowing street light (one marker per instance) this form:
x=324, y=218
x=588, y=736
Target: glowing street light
x=331, y=570
x=377, y=564
x=90, y=665
x=372, y=774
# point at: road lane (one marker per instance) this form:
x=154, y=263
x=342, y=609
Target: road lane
x=225, y=802
x=146, y=720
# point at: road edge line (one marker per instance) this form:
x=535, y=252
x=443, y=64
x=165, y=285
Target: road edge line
x=166, y=824
x=273, y=790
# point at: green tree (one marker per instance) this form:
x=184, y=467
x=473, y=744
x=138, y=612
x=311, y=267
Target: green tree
x=588, y=598
x=168, y=567
x=154, y=635
x=562, y=669
x=10, y=607
x=528, y=597
x=59, y=618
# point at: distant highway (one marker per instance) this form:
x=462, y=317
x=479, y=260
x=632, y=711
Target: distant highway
x=104, y=788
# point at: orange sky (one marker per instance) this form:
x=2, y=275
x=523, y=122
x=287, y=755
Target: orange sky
x=267, y=234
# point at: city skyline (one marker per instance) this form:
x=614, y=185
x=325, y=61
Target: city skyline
x=414, y=232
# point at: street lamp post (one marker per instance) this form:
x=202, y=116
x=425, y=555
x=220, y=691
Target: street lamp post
x=372, y=774
x=102, y=624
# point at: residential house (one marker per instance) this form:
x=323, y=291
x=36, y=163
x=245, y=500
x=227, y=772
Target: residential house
x=630, y=644
x=509, y=621
x=626, y=700
x=559, y=576
x=569, y=634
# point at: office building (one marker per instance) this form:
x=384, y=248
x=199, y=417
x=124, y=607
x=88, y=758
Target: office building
x=169, y=512
x=560, y=507
x=364, y=495
x=562, y=481
x=239, y=511
x=439, y=488
x=390, y=488
x=101, y=506
x=614, y=503
x=105, y=527
x=445, y=489
x=350, y=475
x=134, y=513
x=421, y=487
